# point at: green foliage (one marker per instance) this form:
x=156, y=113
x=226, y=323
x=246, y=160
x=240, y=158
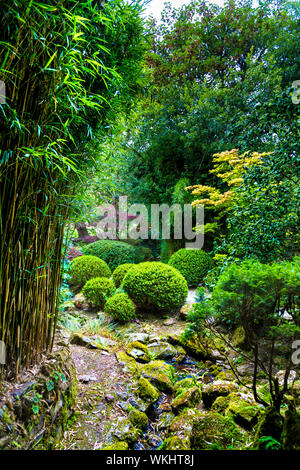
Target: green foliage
x=268, y=443
x=113, y=252
x=251, y=293
x=120, y=307
x=143, y=253
x=87, y=267
x=192, y=264
x=97, y=290
x=157, y=286
x=69, y=68
x=257, y=297
x=120, y=272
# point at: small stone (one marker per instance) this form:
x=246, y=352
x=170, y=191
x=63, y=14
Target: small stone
x=109, y=398
x=80, y=302
x=169, y=321
x=87, y=378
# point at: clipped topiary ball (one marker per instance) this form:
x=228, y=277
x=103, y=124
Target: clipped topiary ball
x=98, y=290
x=120, y=307
x=112, y=252
x=84, y=268
x=120, y=272
x=192, y=264
x=157, y=286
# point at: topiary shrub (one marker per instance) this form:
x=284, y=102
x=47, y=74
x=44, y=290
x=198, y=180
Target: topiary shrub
x=98, y=290
x=120, y=272
x=112, y=252
x=143, y=254
x=84, y=268
x=120, y=307
x=153, y=285
x=192, y=264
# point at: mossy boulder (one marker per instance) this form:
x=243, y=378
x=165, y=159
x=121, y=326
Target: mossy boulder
x=194, y=347
x=162, y=350
x=138, y=418
x=220, y=404
x=160, y=374
x=120, y=445
x=291, y=429
x=123, y=430
x=270, y=424
x=147, y=391
x=184, y=384
x=243, y=409
x=165, y=420
x=138, y=351
x=175, y=443
x=212, y=431
x=129, y=365
x=86, y=341
x=181, y=427
x=217, y=389
x=188, y=398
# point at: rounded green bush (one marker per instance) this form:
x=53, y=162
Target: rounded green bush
x=98, y=290
x=120, y=307
x=192, y=264
x=112, y=252
x=153, y=285
x=120, y=272
x=84, y=268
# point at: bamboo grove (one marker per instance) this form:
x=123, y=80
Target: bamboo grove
x=60, y=80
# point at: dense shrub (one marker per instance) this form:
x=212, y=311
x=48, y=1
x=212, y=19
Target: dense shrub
x=143, y=254
x=98, y=290
x=263, y=300
x=120, y=272
x=120, y=307
x=84, y=268
x=112, y=252
x=192, y=264
x=252, y=293
x=155, y=285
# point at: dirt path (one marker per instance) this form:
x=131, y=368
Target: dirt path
x=100, y=383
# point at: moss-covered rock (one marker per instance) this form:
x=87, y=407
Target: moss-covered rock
x=195, y=347
x=147, y=391
x=175, y=443
x=138, y=351
x=182, y=425
x=217, y=389
x=212, y=431
x=138, y=418
x=220, y=404
x=270, y=424
x=291, y=429
x=162, y=350
x=165, y=420
x=129, y=365
x=243, y=410
x=123, y=430
x=188, y=398
x=160, y=374
x=184, y=384
x=120, y=445
x=81, y=340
